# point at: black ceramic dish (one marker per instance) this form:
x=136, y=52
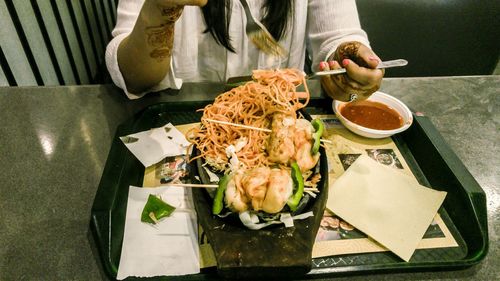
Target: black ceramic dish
x=274, y=251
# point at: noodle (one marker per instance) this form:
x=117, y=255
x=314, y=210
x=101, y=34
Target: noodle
x=252, y=104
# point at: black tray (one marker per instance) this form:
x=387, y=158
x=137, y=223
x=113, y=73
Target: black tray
x=429, y=158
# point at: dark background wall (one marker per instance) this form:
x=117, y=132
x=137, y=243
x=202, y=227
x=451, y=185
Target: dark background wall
x=62, y=42
x=437, y=37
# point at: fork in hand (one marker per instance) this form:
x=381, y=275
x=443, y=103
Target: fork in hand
x=260, y=36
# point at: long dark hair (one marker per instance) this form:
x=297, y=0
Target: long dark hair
x=217, y=16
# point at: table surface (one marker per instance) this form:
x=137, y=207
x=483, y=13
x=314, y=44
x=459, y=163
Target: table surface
x=55, y=142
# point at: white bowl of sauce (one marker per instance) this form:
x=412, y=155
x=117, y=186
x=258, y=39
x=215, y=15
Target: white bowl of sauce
x=379, y=116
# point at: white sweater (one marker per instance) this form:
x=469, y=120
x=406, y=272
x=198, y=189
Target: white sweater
x=318, y=25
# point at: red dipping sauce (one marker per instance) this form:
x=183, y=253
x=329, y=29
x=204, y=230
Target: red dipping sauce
x=372, y=114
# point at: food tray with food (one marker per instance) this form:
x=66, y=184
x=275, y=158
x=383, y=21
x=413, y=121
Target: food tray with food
x=272, y=175
x=427, y=155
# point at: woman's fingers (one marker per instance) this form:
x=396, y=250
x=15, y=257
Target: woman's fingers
x=323, y=66
x=364, y=77
x=333, y=84
x=364, y=81
x=367, y=76
x=357, y=77
x=345, y=87
x=368, y=56
x=343, y=79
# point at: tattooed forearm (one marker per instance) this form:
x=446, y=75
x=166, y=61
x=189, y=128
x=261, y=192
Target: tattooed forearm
x=160, y=38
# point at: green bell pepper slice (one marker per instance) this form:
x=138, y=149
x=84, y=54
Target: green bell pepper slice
x=218, y=203
x=298, y=183
x=319, y=127
x=155, y=209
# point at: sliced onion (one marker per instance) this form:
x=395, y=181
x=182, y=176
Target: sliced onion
x=287, y=219
x=251, y=220
x=211, y=175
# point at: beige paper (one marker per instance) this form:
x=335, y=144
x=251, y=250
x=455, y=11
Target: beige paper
x=385, y=204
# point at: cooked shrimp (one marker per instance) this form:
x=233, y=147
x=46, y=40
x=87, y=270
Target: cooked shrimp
x=281, y=147
x=303, y=132
x=305, y=160
x=255, y=184
x=235, y=197
x=279, y=189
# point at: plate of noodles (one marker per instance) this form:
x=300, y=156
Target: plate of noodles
x=264, y=152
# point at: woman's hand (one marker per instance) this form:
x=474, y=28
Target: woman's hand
x=361, y=80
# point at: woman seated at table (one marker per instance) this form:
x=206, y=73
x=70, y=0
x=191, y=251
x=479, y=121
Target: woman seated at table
x=158, y=44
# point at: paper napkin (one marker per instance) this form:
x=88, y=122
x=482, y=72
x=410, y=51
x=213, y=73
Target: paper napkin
x=385, y=204
x=167, y=248
x=151, y=146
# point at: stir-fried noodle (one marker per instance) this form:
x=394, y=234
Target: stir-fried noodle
x=252, y=104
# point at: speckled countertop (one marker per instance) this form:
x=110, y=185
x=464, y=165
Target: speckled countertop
x=54, y=142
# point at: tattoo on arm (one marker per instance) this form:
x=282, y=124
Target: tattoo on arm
x=160, y=38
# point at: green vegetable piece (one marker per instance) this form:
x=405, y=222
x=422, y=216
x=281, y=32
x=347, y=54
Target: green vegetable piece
x=155, y=209
x=318, y=132
x=219, y=195
x=298, y=186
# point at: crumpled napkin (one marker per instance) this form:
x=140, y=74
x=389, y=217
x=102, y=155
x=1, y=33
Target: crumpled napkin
x=164, y=249
x=387, y=205
x=151, y=146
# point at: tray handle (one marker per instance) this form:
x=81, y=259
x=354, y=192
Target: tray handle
x=445, y=171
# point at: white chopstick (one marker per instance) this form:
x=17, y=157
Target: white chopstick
x=238, y=125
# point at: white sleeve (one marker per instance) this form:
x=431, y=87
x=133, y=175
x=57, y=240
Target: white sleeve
x=127, y=13
x=329, y=23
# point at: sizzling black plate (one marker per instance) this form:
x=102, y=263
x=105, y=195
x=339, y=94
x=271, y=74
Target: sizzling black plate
x=274, y=251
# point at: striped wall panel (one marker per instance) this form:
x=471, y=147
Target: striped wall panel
x=54, y=42
x=83, y=34
x=108, y=16
x=100, y=18
x=114, y=5
x=73, y=45
x=15, y=61
x=3, y=77
x=62, y=60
